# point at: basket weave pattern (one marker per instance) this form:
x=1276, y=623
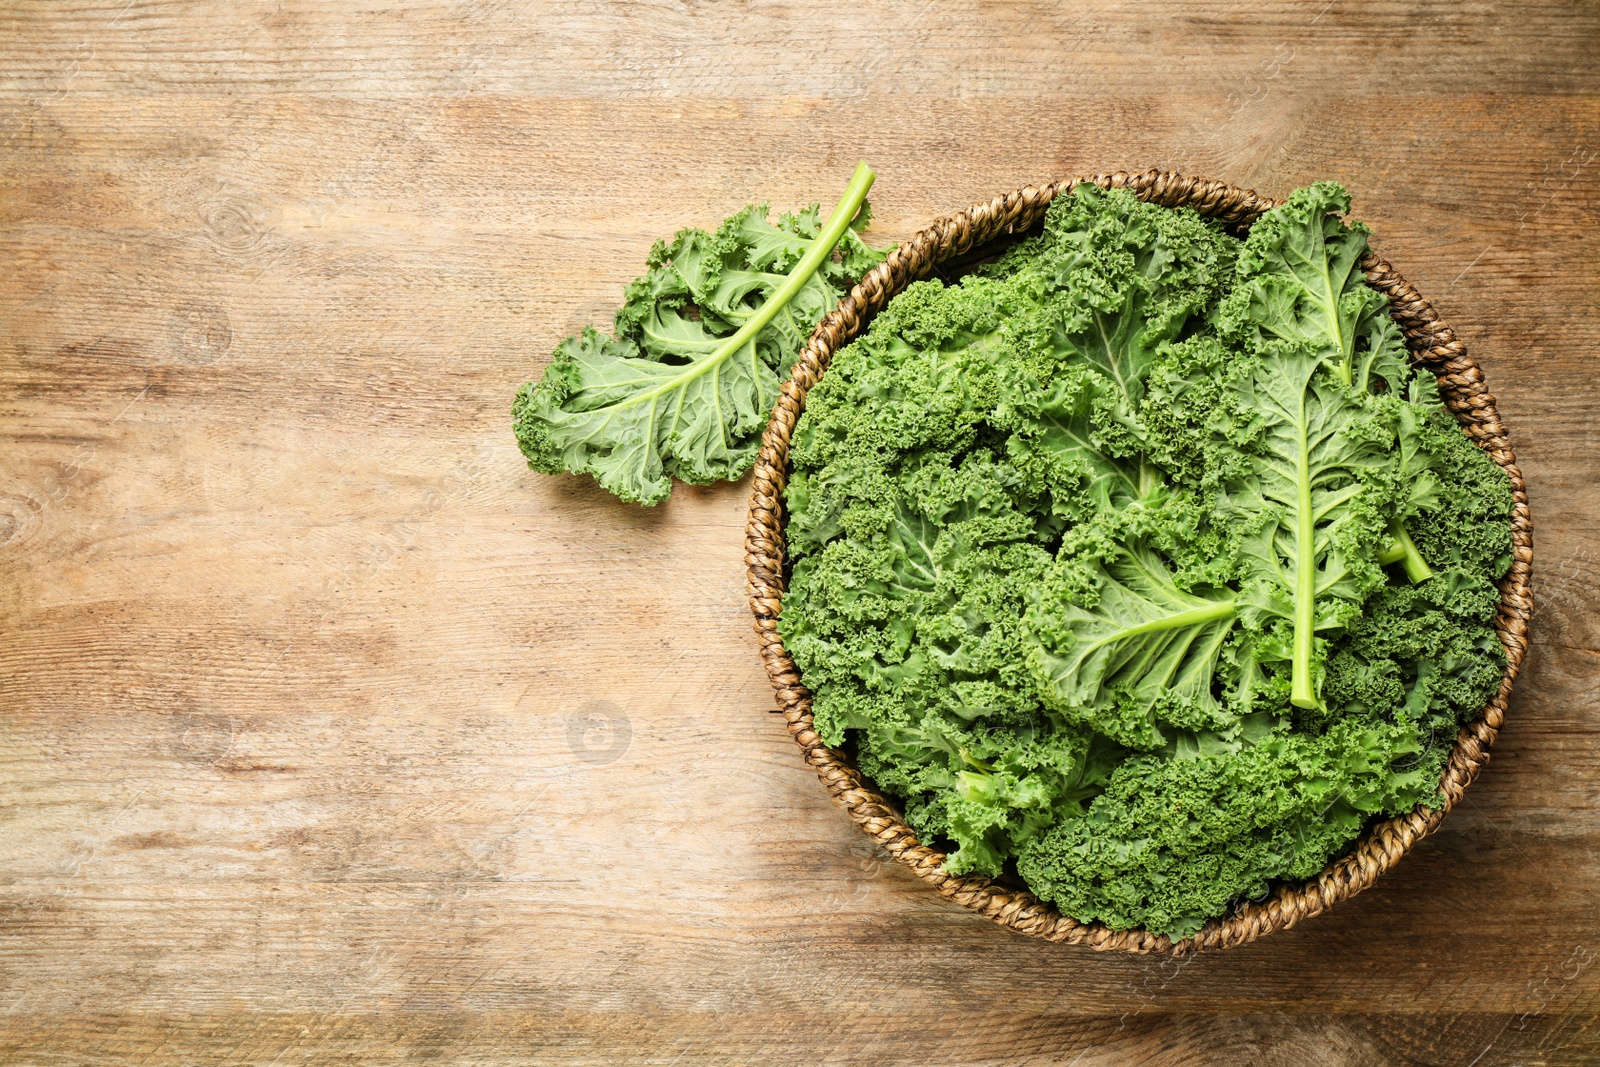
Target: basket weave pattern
x=1432, y=343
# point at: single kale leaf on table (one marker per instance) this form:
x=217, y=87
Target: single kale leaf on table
x=1141, y=564
x=703, y=341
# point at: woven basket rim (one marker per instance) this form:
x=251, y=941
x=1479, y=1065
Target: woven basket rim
x=1432, y=342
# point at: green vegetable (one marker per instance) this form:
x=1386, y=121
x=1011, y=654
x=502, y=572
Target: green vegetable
x=1097, y=558
x=1300, y=304
x=703, y=341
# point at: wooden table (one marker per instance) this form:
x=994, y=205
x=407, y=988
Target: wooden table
x=329, y=733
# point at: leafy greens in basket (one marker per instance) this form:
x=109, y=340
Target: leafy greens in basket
x=1141, y=564
x=703, y=340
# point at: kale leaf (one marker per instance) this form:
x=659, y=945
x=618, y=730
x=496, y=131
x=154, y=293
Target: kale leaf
x=703, y=341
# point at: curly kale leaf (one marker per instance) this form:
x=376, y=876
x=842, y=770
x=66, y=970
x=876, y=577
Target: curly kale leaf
x=1323, y=445
x=1311, y=529
x=1428, y=652
x=1145, y=650
x=702, y=343
x=1175, y=840
x=1115, y=278
x=1299, y=283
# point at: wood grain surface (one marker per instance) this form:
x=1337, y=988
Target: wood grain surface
x=331, y=734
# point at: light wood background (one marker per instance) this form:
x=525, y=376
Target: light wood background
x=329, y=733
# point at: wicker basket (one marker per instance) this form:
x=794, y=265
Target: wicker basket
x=1432, y=342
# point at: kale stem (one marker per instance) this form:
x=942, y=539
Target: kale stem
x=1305, y=585
x=1403, y=548
x=968, y=759
x=843, y=212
